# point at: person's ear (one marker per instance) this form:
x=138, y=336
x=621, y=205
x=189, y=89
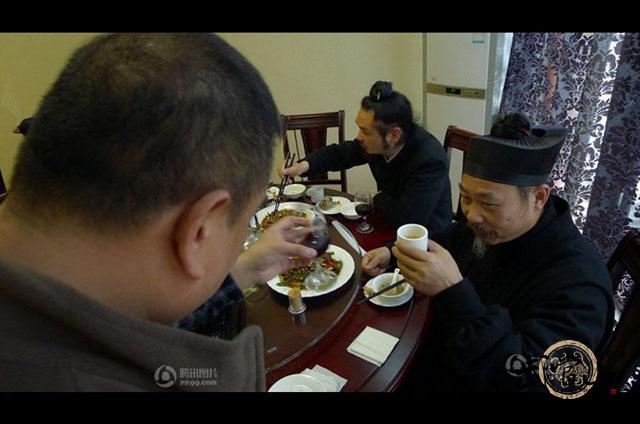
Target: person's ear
x=394, y=135
x=541, y=194
x=198, y=222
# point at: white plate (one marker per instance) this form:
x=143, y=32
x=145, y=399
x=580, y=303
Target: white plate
x=298, y=383
x=348, y=210
x=262, y=213
x=348, y=266
x=388, y=303
x=336, y=209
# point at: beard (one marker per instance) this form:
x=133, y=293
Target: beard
x=479, y=247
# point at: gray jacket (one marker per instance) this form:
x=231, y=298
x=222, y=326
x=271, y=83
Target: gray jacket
x=53, y=338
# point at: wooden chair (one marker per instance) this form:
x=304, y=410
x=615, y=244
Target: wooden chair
x=312, y=129
x=459, y=139
x=622, y=354
x=3, y=188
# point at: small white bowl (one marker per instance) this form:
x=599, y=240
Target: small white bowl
x=271, y=192
x=383, y=280
x=348, y=210
x=294, y=191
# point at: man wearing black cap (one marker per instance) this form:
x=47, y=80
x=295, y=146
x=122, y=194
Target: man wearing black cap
x=513, y=279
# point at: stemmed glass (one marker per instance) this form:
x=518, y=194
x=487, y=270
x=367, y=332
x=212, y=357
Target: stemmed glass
x=364, y=206
x=320, y=277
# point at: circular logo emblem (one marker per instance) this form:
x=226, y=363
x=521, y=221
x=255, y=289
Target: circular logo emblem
x=517, y=365
x=568, y=369
x=165, y=376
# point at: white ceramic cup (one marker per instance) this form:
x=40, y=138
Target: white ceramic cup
x=414, y=234
x=316, y=193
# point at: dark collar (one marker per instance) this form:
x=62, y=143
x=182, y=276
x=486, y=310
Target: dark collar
x=551, y=228
x=406, y=151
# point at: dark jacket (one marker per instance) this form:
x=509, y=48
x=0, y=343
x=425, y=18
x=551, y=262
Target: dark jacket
x=413, y=188
x=523, y=296
x=53, y=338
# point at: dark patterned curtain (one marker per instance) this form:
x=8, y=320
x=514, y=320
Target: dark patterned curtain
x=590, y=84
x=615, y=204
x=587, y=83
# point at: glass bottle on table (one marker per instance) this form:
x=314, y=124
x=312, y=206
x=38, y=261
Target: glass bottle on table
x=364, y=207
x=319, y=278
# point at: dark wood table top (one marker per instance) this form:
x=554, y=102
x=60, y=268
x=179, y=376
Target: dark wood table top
x=321, y=335
x=381, y=234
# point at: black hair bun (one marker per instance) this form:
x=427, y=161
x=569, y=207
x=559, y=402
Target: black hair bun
x=513, y=126
x=380, y=90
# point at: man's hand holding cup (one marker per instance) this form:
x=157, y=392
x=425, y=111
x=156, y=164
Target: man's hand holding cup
x=429, y=271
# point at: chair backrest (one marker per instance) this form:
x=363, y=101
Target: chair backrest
x=312, y=129
x=3, y=188
x=620, y=357
x=458, y=139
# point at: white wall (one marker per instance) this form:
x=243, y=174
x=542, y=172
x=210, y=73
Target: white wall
x=29, y=63
x=308, y=72
x=321, y=72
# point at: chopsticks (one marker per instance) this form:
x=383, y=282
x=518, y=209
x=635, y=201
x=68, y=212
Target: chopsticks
x=287, y=164
x=386, y=289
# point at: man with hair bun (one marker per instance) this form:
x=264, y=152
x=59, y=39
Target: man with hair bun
x=512, y=279
x=407, y=162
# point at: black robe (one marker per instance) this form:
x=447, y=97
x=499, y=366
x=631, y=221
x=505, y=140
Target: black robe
x=413, y=188
x=548, y=285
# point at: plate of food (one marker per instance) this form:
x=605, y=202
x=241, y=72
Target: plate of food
x=331, y=205
x=335, y=258
x=266, y=217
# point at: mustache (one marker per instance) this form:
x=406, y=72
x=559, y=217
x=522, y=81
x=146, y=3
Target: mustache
x=478, y=230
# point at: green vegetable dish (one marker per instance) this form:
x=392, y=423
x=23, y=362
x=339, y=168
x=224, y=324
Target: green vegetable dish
x=294, y=278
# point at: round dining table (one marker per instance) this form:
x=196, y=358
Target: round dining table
x=330, y=323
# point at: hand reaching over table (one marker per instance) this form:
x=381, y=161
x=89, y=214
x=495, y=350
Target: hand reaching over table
x=294, y=170
x=376, y=261
x=276, y=251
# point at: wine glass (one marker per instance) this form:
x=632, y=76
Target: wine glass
x=364, y=206
x=253, y=235
x=320, y=277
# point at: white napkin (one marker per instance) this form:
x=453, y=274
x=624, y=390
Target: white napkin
x=333, y=381
x=373, y=345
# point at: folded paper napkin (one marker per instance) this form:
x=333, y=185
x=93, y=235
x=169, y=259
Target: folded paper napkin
x=373, y=345
x=333, y=381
